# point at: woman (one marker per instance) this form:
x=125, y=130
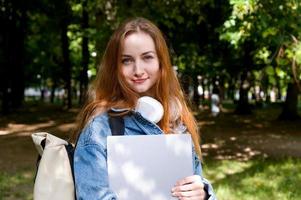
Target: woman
x=136, y=63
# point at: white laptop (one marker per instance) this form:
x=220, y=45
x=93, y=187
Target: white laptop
x=146, y=167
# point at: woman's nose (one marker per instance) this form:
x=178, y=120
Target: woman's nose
x=138, y=69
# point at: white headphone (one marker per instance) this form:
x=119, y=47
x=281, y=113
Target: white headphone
x=150, y=108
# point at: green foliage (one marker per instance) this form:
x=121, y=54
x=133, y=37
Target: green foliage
x=296, y=52
x=269, y=32
x=263, y=55
x=209, y=38
x=239, y=24
x=268, y=24
x=43, y=51
x=182, y=22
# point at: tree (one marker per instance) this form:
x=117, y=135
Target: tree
x=268, y=25
x=85, y=53
x=14, y=21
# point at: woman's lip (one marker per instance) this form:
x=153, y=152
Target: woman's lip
x=141, y=80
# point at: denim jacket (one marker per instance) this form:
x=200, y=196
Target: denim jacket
x=90, y=156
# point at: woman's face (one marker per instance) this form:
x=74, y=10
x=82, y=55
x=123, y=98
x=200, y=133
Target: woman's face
x=139, y=62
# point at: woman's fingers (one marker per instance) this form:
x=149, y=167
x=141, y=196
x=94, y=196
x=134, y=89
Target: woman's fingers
x=188, y=193
x=189, y=188
x=189, y=179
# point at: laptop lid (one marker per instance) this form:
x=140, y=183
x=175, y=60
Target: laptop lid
x=148, y=166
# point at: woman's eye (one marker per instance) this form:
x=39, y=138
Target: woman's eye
x=126, y=61
x=148, y=57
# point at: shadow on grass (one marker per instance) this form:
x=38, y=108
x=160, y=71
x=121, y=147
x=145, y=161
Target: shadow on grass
x=231, y=136
x=16, y=186
x=255, y=179
x=17, y=149
x=38, y=113
x=35, y=118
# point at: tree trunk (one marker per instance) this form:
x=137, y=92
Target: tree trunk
x=290, y=106
x=67, y=63
x=278, y=95
x=12, y=57
x=42, y=97
x=5, y=69
x=99, y=20
x=52, y=94
x=202, y=97
x=243, y=106
x=196, y=97
x=18, y=81
x=85, y=55
x=185, y=83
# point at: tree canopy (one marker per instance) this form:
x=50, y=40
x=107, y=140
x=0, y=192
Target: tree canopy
x=249, y=46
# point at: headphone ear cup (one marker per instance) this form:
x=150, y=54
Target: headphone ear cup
x=150, y=109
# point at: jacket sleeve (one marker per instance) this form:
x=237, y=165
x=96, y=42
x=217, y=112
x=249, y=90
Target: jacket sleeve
x=90, y=172
x=198, y=171
x=90, y=165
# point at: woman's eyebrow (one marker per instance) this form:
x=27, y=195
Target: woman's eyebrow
x=125, y=55
x=148, y=52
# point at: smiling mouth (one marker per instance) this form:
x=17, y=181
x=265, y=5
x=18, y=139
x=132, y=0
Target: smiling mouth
x=139, y=81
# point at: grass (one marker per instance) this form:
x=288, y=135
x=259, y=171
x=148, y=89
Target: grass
x=17, y=186
x=236, y=180
x=255, y=179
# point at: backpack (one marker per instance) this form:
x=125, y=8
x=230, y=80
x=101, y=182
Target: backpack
x=54, y=176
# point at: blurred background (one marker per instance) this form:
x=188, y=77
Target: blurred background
x=239, y=62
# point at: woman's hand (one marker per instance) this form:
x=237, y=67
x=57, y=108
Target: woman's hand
x=189, y=188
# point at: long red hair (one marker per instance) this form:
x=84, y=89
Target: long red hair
x=109, y=88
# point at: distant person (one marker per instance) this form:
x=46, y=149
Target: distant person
x=215, y=102
x=136, y=63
